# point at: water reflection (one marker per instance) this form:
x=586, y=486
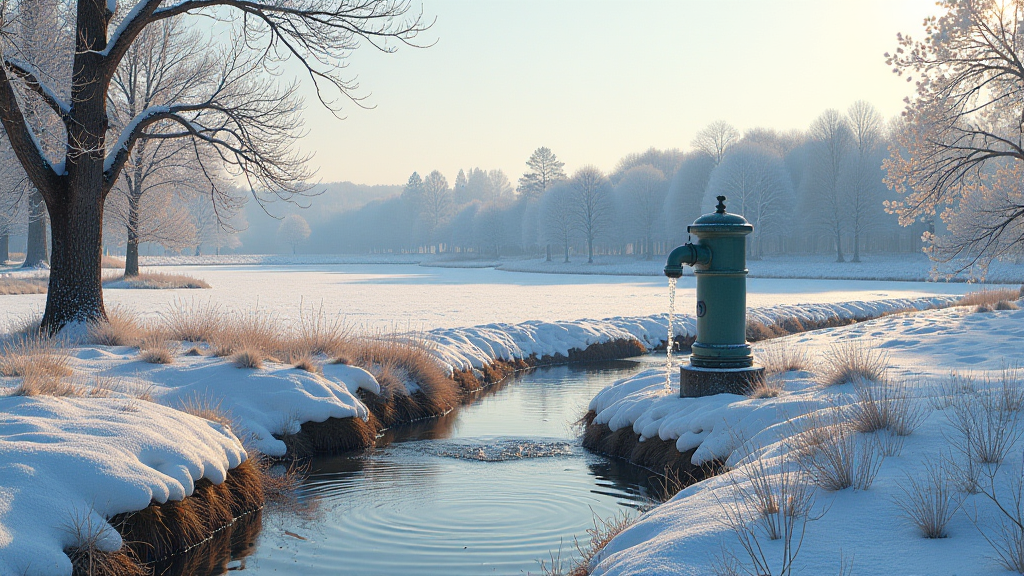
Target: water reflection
x=489, y=489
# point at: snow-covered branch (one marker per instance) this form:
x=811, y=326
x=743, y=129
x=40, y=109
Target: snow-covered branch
x=31, y=76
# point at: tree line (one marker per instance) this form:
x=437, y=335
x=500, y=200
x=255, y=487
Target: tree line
x=817, y=190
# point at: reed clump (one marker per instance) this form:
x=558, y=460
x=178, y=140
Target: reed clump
x=35, y=354
x=989, y=297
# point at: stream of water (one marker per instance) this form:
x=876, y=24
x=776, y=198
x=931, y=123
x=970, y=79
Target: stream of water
x=492, y=488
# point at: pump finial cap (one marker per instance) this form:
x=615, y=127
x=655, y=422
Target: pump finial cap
x=720, y=209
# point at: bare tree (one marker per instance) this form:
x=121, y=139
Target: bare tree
x=245, y=116
x=667, y=161
x=294, y=230
x=863, y=198
x=758, y=187
x=545, y=169
x=437, y=206
x=643, y=189
x=832, y=145
x=559, y=216
x=715, y=139
x=964, y=137
x=591, y=205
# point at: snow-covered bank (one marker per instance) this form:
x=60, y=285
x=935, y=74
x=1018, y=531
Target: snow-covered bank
x=467, y=348
x=687, y=534
x=281, y=259
x=67, y=465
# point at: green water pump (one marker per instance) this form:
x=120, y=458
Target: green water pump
x=720, y=358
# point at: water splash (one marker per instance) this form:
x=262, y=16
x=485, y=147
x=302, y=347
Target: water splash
x=671, y=331
x=500, y=450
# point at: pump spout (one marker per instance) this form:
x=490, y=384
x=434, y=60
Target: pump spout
x=688, y=254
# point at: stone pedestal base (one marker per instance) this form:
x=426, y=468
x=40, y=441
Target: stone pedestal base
x=694, y=381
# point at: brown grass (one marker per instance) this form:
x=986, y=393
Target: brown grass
x=249, y=357
x=111, y=262
x=38, y=382
x=853, y=361
x=156, y=350
x=320, y=334
x=781, y=357
x=604, y=530
x=35, y=354
x=767, y=387
x=308, y=363
x=832, y=454
x=10, y=286
x=121, y=328
x=158, y=281
x=192, y=321
x=1006, y=305
x=988, y=297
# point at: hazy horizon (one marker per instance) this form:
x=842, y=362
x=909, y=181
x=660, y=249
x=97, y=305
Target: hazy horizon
x=594, y=83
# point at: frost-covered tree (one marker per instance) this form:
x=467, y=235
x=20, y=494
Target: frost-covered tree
x=666, y=161
x=437, y=206
x=864, y=192
x=715, y=139
x=832, y=148
x=757, y=186
x=559, y=214
x=592, y=205
x=293, y=230
x=246, y=116
x=642, y=191
x=545, y=169
x=686, y=194
x=964, y=139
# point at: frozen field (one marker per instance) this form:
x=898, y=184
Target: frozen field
x=411, y=297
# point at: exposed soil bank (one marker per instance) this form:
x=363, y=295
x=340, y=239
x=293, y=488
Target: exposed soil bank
x=216, y=516
x=335, y=435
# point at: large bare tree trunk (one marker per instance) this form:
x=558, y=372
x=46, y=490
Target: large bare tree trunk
x=839, y=247
x=76, y=290
x=35, y=252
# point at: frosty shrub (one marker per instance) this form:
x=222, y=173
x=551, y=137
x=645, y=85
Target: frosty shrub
x=767, y=387
x=832, y=454
x=956, y=384
x=851, y=362
x=886, y=405
x=930, y=501
x=984, y=429
x=780, y=356
x=769, y=499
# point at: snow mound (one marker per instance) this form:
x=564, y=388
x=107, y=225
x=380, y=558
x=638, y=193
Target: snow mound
x=68, y=464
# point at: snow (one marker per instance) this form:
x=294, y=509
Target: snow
x=685, y=535
x=273, y=401
x=65, y=106
x=68, y=464
x=130, y=128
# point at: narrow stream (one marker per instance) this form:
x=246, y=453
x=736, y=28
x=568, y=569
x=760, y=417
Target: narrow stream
x=490, y=489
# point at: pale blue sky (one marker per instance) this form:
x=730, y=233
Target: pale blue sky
x=595, y=80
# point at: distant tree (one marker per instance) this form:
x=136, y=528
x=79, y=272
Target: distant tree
x=478, y=185
x=757, y=186
x=544, y=170
x=459, y=190
x=863, y=198
x=495, y=226
x=715, y=139
x=413, y=191
x=666, y=161
x=559, y=213
x=832, y=144
x=686, y=194
x=591, y=205
x=961, y=148
x=437, y=205
x=642, y=190
x=294, y=230
x=501, y=188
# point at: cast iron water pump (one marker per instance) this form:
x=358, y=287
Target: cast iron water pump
x=720, y=358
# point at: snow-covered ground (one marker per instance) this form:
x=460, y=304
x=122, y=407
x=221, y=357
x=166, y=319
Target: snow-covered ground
x=410, y=297
x=687, y=534
x=69, y=464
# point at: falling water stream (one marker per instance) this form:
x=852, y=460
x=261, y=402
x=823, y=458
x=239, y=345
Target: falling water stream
x=671, y=331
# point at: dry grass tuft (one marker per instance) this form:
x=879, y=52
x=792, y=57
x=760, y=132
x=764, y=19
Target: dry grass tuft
x=320, y=334
x=255, y=331
x=600, y=535
x=202, y=407
x=121, y=328
x=780, y=357
x=35, y=354
x=157, y=281
x=156, y=350
x=13, y=285
x=192, y=321
x=983, y=308
x=309, y=364
x=886, y=405
x=988, y=297
x=252, y=358
x=852, y=362
x=767, y=387
x=929, y=502
x=984, y=427
x=37, y=382
x=1006, y=305
x=87, y=559
x=833, y=455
